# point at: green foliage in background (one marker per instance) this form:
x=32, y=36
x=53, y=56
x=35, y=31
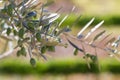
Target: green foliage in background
x=58, y=67
x=109, y=20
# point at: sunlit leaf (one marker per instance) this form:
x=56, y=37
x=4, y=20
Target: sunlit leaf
x=93, y=29
x=85, y=27
x=63, y=20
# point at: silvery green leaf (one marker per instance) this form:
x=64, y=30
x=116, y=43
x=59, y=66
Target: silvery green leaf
x=85, y=27
x=93, y=29
x=47, y=19
x=98, y=35
x=54, y=18
x=75, y=46
x=63, y=20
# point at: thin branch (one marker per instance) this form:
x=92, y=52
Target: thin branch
x=7, y=53
x=88, y=64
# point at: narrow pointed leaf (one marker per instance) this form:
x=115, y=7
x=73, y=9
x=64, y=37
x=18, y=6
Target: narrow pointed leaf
x=75, y=46
x=98, y=35
x=63, y=20
x=93, y=29
x=75, y=21
x=85, y=27
x=105, y=37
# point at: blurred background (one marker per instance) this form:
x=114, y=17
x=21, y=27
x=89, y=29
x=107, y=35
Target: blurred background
x=63, y=65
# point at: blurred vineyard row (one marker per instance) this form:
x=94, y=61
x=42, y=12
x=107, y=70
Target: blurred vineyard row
x=22, y=67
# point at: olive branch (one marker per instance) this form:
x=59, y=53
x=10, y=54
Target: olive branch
x=37, y=31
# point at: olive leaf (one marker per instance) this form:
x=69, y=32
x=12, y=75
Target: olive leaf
x=84, y=28
x=75, y=46
x=33, y=62
x=21, y=32
x=38, y=37
x=23, y=51
x=8, y=31
x=93, y=29
x=97, y=36
x=15, y=32
x=43, y=49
